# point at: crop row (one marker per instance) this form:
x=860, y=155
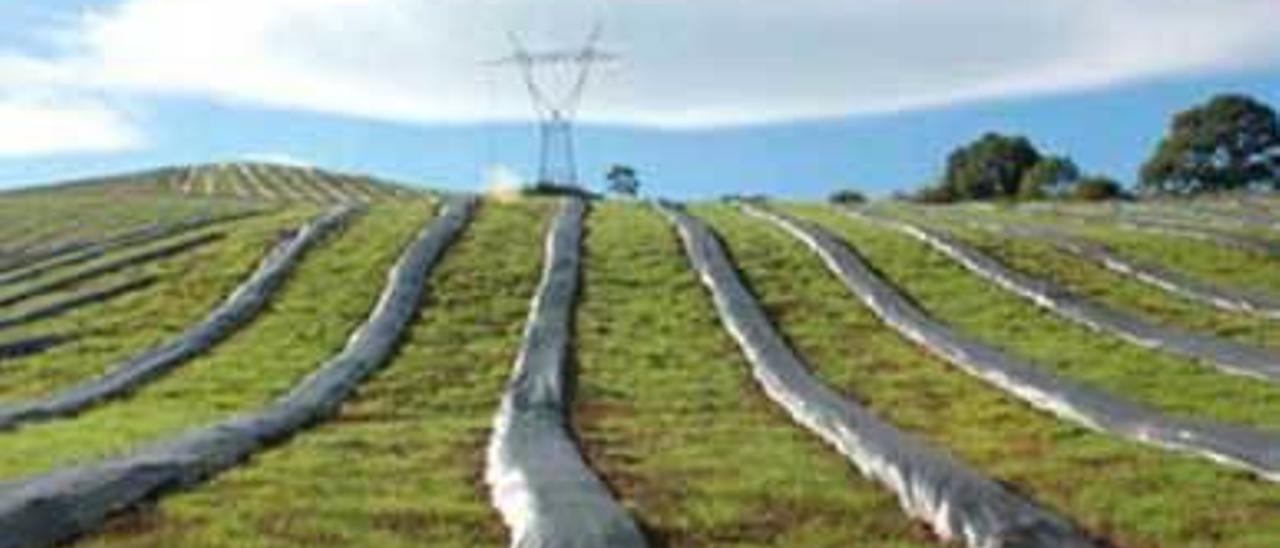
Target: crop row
x=630, y=403
x=258, y=182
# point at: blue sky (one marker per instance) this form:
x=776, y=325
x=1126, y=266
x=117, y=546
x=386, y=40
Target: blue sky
x=704, y=102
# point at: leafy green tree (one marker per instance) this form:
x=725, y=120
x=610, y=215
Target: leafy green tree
x=623, y=180
x=1051, y=177
x=991, y=167
x=1231, y=142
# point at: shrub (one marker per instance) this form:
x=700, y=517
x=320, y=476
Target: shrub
x=1097, y=188
x=847, y=197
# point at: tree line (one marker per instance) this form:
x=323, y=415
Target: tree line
x=1229, y=143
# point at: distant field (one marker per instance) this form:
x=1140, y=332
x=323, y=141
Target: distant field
x=664, y=406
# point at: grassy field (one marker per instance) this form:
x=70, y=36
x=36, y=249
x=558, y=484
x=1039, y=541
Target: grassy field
x=1095, y=282
x=46, y=219
x=400, y=465
x=978, y=307
x=1205, y=260
x=665, y=408
x=1130, y=494
x=669, y=413
x=329, y=294
x=1212, y=262
x=188, y=287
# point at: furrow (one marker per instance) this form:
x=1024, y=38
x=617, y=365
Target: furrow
x=1205, y=234
x=237, y=310
x=537, y=479
x=335, y=194
x=1049, y=459
x=28, y=346
x=76, y=302
x=74, y=278
x=409, y=444
x=141, y=236
x=306, y=186
x=1174, y=283
x=1251, y=449
x=669, y=415
x=254, y=181
x=1225, y=355
x=278, y=183
x=55, y=507
x=956, y=501
x=349, y=186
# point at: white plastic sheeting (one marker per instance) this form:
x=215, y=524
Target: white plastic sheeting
x=1191, y=213
x=538, y=480
x=52, y=508
x=111, y=267
x=1224, y=238
x=30, y=346
x=76, y=302
x=956, y=501
x=69, y=253
x=235, y=311
x=1225, y=355
x=1171, y=282
x=134, y=238
x=1254, y=450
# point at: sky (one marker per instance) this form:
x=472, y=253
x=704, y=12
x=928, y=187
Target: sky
x=706, y=97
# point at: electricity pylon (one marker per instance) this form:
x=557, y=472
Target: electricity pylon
x=556, y=111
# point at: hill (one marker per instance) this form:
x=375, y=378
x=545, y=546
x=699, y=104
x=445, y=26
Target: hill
x=255, y=355
x=247, y=181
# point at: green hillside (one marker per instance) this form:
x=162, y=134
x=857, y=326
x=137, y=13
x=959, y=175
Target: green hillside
x=686, y=424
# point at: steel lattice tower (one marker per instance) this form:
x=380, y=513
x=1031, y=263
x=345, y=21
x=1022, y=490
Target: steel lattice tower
x=556, y=161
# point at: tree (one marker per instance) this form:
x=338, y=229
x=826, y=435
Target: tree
x=991, y=167
x=1051, y=177
x=1229, y=143
x=623, y=180
x=847, y=197
x=1096, y=188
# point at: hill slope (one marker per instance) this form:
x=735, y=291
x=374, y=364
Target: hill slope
x=689, y=432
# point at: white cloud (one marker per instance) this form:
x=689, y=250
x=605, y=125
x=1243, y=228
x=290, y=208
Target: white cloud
x=46, y=127
x=687, y=62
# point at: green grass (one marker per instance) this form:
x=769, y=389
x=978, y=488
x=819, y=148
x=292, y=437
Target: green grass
x=668, y=411
x=952, y=294
x=400, y=464
x=189, y=286
x=1209, y=261
x=51, y=217
x=327, y=297
x=1094, y=282
x=57, y=274
x=666, y=407
x=1134, y=495
x=1205, y=260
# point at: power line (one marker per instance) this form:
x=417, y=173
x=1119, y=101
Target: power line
x=556, y=112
